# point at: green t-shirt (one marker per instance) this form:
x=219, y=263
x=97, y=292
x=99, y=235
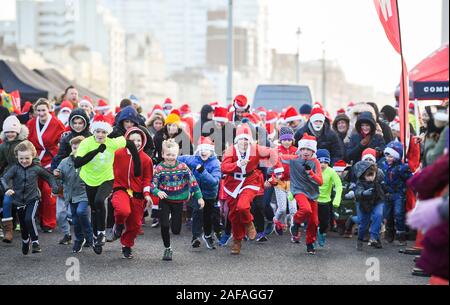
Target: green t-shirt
x=99, y=169
x=330, y=179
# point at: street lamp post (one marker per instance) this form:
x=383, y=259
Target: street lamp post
x=324, y=76
x=230, y=53
x=297, y=76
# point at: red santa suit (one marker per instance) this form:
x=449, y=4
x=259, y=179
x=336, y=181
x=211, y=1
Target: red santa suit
x=243, y=183
x=129, y=194
x=46, y=142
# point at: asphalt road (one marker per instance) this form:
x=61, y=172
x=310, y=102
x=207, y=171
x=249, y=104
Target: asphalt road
x=277, y=261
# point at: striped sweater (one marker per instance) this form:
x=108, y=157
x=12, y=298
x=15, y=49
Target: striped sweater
x=177, y=182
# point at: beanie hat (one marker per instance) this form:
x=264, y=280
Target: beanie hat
x=389, y=112
x=369, y=153
x=205, y=143
x=243, y=132
x=286, y=134
x=11, y=123
x=173, y=118
x=241, y=102
x=101, y=122
x=340, y=166
x=292, y=115
x=308, y=142
x=220, y=114
x=317, y=114
x=323, y=155
x=139, y=131
x=305, y=109
x=395, y=149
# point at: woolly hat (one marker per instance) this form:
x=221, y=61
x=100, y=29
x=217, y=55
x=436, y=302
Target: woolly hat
x=243, y=132
x=292, y=115
x=11, y=123
x=173, y=118
x=139, y=131
x=308, y=142
x=305, y=109
x=369, y=154
x=241, y=102
x=340, y=166
x=395, y=149
x=220, y=114
x=317, y=114
x=205, y=143
x=323, y=155
x=286, y=134
x=101, y=122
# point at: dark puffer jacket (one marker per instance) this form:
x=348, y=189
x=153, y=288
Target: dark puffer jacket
x=328, y=140
x=64, y=145
x=206, y=109
x=354, y=148
x=129, y=113
x=367, y=202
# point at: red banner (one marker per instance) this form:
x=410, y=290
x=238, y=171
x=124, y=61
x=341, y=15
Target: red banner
x=388, y=13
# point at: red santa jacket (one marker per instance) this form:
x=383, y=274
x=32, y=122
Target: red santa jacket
x=124, y=172
x=46, y=140
x=285, y=156
x=249, y=177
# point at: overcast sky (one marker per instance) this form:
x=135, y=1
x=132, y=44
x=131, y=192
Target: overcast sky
x=352, y=33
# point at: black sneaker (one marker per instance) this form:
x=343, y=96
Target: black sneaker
x=66, y=240
x=310, y=249
x=167, y=254
x=78, y=246
x=209, y=242
x=359, y=245
x=99, y=243
x=36, y=248
x=375, y=244
x=26, y=247
x=117, y=231
x=195, y=242
x=126, y=252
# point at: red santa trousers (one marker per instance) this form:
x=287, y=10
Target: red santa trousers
x=239, y=212
x=128, y=211
x=307, y=211
x=47, y=208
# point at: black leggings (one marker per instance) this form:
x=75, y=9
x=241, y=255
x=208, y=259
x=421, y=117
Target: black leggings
x=175, y=211
x=96, y=197
x=324, y=216
x=257, y=210
x=27, y=219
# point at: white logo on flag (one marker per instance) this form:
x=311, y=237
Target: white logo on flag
x=386, y=9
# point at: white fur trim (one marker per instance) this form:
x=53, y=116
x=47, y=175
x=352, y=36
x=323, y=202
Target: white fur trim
x=272, y=121
x=243, y=136
x=293, y=118
x=87, y=103
x=205, y=147
x=309, y=144
x=440, y=116
x=339, y=168
x=102, y=108
x=278, y=170
x=392, y=152
x=370, y=157
x=236, y=106
x=101, y=125
x=147, y=189
x=220, y=119
x=261, y=113
x=317, y=117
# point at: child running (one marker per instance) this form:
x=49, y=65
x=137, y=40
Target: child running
x=173, y=182
x=21, y=183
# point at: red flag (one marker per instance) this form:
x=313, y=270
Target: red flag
x=388, y=13
x=16, y=101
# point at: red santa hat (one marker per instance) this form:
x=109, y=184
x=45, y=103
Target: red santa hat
x=26, y=108
x=292, y=115
x=340, y=166
x=243, y=132
x=86, y=100
x=253, y=118
x=220, y=114
x=340, y=111
x=241, y=102
x=395, y=124
x=168, y=103
x=317, y=114
x=157, y=109
x=101, y=122
x=317, y=105
x=205, y=143
x=185, y=109
x=272, y=117
x=102, y=106
x=66, y=106
x=369, y=154
x=176, y=111
x=261, y=111
x=308, y=142
x=214, y=104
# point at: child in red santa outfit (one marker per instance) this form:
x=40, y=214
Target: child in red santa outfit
x=132, y=179
x=45, y=133
x=244, y=181
x=306, y=177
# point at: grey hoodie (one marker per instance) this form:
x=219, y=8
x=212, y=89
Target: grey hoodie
x=74, y=187
x=24, y=182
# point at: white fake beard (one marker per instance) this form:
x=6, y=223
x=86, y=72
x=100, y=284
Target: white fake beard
x=316, y=127
x=64, y=118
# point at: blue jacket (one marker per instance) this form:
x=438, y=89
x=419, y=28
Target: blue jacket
x=209, y=179
x=395, y=177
